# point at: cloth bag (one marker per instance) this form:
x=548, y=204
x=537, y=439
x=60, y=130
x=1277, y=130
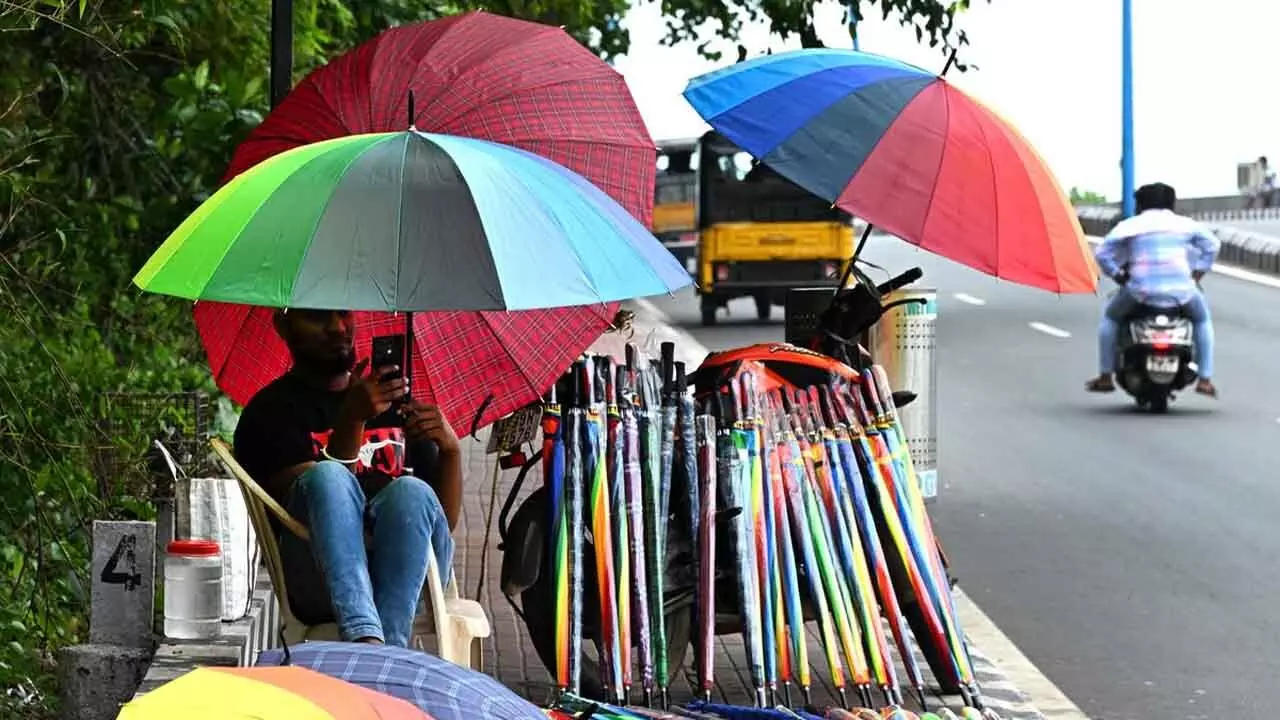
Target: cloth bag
x=212, y=508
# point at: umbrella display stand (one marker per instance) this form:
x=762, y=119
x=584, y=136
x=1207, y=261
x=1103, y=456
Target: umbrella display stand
x=759, y=501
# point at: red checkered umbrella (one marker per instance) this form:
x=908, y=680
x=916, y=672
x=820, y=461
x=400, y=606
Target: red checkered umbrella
x=476, y=75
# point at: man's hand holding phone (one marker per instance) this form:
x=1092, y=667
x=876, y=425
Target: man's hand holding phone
x=426, y=422
x=373, y=393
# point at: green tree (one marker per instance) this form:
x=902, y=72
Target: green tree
x=1086, y=197
x=116, y=120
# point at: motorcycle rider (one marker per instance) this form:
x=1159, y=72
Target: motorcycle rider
x=1157, y=257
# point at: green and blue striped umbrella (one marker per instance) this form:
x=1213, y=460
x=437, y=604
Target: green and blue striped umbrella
x=411, y=221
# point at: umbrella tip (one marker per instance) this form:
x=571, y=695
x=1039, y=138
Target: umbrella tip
x=413, y=116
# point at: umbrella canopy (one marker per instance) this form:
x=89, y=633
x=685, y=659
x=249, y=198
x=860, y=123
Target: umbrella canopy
x=475, y=75
x=436, y=686
x=908, y=152
x=266, y=693
x=411, y=221
x=477, y=366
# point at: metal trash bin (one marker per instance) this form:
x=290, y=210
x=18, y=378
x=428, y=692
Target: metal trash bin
x=904, y=343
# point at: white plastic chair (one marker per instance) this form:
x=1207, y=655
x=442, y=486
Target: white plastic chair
x=459, y=625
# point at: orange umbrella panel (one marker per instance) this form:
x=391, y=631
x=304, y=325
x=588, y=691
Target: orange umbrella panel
x=266, y=693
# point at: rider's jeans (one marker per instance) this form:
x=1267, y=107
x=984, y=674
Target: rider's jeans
x=373, y=593
x=1123, y=304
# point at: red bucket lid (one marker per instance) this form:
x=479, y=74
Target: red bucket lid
x=196, y=548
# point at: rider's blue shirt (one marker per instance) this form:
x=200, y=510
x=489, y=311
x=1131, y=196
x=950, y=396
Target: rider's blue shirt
x=1161, y=250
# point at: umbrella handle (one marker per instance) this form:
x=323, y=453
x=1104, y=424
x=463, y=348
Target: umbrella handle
x=475, y=421
x=667, y=366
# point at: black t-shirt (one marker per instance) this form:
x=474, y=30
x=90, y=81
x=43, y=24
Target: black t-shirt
x=289, y=422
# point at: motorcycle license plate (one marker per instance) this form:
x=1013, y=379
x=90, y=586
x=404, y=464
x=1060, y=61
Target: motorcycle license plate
x=1162, y=364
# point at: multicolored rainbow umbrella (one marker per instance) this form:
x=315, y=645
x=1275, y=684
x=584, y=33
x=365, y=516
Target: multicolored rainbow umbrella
x=907, y=151
x=411, y=221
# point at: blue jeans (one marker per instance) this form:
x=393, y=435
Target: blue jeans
x=373, y=593
x=1123, y=304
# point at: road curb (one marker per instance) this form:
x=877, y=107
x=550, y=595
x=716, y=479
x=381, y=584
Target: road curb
x=1018, y=689
x=1011, y=684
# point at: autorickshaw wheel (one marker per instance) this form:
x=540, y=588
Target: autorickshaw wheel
x=764, y=305
x=709, y=307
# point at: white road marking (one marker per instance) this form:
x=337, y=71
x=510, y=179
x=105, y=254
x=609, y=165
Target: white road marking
x=967, y=298
x=1049, y=330
x=1232, y=271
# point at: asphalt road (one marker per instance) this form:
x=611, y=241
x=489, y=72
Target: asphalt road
x=1131, y=557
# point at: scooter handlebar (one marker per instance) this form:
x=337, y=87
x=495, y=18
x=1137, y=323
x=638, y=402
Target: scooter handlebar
x=900, y=281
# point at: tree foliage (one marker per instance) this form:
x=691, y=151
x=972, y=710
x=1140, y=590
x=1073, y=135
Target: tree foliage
x=1086, y=197
x=116, y=120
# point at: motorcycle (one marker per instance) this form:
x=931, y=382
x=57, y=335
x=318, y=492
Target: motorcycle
x=1154, y=356
x=523, y=536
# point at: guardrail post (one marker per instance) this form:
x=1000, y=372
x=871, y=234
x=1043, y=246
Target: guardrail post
x=97, y=678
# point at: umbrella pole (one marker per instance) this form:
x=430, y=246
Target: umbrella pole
x=848, y=270
x=281, y=73
x=408, y=352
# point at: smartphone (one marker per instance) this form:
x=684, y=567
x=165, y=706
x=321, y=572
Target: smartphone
x=388, y=351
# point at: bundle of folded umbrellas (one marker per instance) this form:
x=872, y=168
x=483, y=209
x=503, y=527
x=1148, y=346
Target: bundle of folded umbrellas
x=805, y=496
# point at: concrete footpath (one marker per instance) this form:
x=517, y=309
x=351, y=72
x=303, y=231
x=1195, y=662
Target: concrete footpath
x=1010, y=683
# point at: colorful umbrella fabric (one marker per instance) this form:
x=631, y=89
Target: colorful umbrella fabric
x=411, y=221
x=483, y=226
x=477, y=366
x=476, y=75
x=435, y=686
x=910, y=153
x=267, y=693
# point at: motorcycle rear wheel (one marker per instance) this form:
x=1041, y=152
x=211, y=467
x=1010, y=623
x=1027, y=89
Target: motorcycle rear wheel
x=540, y=614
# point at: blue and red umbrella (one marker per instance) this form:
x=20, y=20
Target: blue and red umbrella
x=907, y=151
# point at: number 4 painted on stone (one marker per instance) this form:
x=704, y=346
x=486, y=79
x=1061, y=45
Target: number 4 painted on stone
x=126, y=550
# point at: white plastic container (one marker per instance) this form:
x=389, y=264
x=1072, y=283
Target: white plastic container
x=193, y=590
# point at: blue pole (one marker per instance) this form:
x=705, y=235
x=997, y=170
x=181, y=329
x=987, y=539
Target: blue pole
x=1126, y=109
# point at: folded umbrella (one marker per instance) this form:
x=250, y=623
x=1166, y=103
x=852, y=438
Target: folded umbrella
x=910, y=153
x=410, y=221
x=267, y=693
x=435, y=686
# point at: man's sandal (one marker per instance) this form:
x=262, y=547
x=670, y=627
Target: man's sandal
x=1100, y=385
x=1206, y=388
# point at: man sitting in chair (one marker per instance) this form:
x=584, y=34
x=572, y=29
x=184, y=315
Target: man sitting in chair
x=327, y=442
